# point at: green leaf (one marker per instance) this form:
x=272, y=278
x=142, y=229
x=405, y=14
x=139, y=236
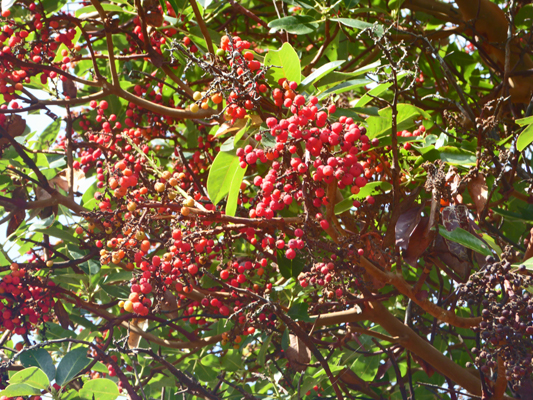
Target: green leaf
x=298, y=312
x=71, y=395
x=320, y=72
x=366, y=368
x=20, y=389
x=99, y=389
x=457, y=156
x=358, y=24
x=524, y=121
x=232, y=361
x=344, y=87
x=119, y=292
x=234, y=189
x=91, y=9
x=39, y=358
x=525, y=138
x=71, y=365
x=295, y=24
x=408, y=117
x=204, y=372
x=378, y=90
x=465, y=238
x=48, y=135
x=289, y=268
x=58, y=233
x=32, y=376
x=287, y=59
x=223, y=170
x=262, y=351
x=367, y=190
x=285, y=340
x=100, y=367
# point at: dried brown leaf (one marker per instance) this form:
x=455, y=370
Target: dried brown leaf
x=14, y=126
x=419, y=242
x=406, y=224
x=134, y=338
x=62, y=179
x=298, y=353
x=169, y=305
x=477, y=187
x=62, y=315
x=70, y=89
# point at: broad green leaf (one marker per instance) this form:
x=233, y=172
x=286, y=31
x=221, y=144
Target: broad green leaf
x=344, y=87
x=234, y=189
x=203, y=372
x=369, y=189
x=363, y=101
x=20, y=389
x=119, y=292
x=32, y=376
x=232, y=361
x=465, y=238
x=221, y=174
x=457, y=156
x=288, y=62
x=525, y=138
x=39, y=358
x=298, y=312
x=71, y=365
x=289, y=268
x=524, y=121
x=263, y=350
x=320, y=72
x=366, y=368
x=101, y=389
x=408, y=117
x=358, y=24
x=295, y=24
x=90, y=9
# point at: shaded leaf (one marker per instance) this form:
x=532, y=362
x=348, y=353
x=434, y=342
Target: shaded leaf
x=39, y=358
x=71, y=365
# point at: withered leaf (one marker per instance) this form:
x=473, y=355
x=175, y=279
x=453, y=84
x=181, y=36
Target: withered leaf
x=70, y=89
x=62, y=315
x=419, y=242
x=15, y=221
x=62, y=179
x=406, y=224
x=134, y=338
x=477, y=187
x=298, y=353
x=14, y=126
x=169, y=305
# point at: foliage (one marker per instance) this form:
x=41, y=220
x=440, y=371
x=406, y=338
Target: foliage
x=266, y=200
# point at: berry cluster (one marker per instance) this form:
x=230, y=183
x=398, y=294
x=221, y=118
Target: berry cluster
x=506, y=330
x=23, y=304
